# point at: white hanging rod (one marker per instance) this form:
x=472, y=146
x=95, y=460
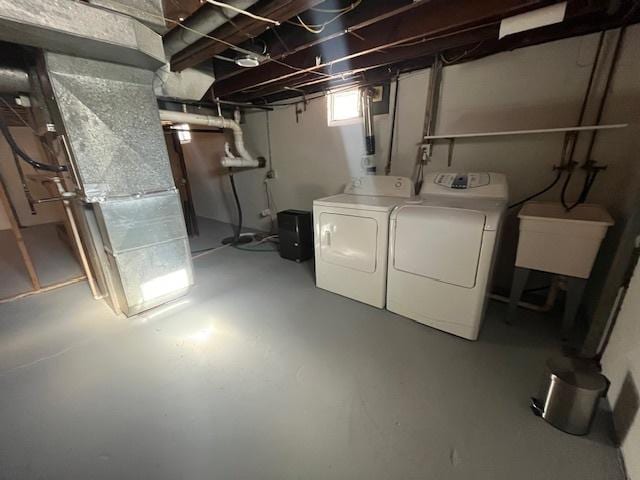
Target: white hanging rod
x=526, y=132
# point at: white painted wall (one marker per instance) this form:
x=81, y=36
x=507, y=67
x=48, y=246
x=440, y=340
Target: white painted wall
x=621, y=364
x=540, y=86
x=46, y=213
x=535, y=87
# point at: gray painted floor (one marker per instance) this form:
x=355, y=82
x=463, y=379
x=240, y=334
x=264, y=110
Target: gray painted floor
x=256, y=374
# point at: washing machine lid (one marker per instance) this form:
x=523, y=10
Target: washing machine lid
x=360, y=202
x=439, y=243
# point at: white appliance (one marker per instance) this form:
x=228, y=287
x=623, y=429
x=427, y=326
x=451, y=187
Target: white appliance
x=441, y=252
x=351, y=233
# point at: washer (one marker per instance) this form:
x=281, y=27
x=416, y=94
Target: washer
x=441, y=253
x=351, y=234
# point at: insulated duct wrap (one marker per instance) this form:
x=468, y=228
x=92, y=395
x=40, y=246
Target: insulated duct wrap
x=119, y=157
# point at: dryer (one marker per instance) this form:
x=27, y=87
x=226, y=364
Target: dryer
x=442, y=252
x=351, y=234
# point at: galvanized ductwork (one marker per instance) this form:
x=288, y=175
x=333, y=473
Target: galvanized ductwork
x=76, y=28
x=98, y=89
x=13, y=80
x=121, y=165
x=205, y=20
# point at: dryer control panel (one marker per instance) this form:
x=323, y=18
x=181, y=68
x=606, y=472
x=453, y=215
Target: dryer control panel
x=482, y=184
x=380, y=186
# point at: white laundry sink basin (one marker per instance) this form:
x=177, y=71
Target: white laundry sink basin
x=554, y=240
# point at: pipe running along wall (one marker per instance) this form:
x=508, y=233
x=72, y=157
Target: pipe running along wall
x=243, y=161
x=368, y=159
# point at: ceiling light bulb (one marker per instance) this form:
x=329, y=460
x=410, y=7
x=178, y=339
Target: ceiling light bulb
x=247, y=61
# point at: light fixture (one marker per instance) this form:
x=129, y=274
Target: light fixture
x=247, y=60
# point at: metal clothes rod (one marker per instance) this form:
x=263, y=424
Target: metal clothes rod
x=526, y=132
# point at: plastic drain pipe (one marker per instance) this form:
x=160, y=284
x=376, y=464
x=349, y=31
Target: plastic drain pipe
x=245, y=160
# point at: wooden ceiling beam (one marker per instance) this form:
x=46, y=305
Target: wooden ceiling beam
x=382, y=58
x=291, y=39
x=238, y=31
x=573, y=27
x=430, y=19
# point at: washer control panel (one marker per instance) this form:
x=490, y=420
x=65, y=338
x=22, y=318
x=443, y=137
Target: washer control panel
x=462, y=181
x=466, y=185
x=382, y=186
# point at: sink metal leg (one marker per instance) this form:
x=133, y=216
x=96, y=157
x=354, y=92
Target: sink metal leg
x=575, y=289
x=520, y=276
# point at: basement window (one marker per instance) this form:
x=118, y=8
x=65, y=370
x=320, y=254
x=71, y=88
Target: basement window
x=184, y=132
x=343, y=107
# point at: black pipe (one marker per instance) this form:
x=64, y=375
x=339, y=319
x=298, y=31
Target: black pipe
x=236, y=238
x=387, y=168
x=4, y=128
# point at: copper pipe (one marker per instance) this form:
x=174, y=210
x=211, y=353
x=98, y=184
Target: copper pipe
x=76, y=237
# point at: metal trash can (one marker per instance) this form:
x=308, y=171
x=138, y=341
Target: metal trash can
x=569, y=395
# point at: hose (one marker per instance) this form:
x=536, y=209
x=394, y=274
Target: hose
x=238, y=207
x=4, y=128
x=237, y=230
x=537, y=194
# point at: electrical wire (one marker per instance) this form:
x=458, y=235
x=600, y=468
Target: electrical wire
x=242, y=12
x=319, y=28
x=224, y=42
x=332, y=10
x=461, y=56
x=251, y=248
x=4, y=129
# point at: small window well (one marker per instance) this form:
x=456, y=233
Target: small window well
x=343, y=107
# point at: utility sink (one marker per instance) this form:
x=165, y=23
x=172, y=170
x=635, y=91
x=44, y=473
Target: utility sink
x=556, y=241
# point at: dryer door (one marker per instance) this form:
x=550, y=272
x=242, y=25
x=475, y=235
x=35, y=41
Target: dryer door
x=439, y=243
x=349, y=241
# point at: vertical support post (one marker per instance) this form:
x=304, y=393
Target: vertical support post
x=15, y=228
x=575, y=289
x=520, y=277
x=433, y=100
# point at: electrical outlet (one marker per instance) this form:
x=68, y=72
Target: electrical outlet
x=271, y=174
x=265, y=213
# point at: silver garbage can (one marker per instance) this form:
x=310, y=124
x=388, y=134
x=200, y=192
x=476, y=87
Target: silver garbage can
x=569, y=395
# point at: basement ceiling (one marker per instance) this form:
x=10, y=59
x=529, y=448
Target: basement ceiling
x=324, y=44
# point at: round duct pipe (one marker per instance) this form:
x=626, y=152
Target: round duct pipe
x=204, y=21
x=14, y=80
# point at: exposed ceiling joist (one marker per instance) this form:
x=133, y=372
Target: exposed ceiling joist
x=291, y=39
x=428, y=19
x=572, y=27
x=239, y=30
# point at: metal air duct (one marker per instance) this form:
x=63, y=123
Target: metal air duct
x=204, y=21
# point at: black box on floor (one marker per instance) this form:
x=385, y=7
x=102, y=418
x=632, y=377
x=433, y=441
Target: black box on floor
x=295, y=230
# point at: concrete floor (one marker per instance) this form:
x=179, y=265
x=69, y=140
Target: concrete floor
x=41, y=240
x=258, y=374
